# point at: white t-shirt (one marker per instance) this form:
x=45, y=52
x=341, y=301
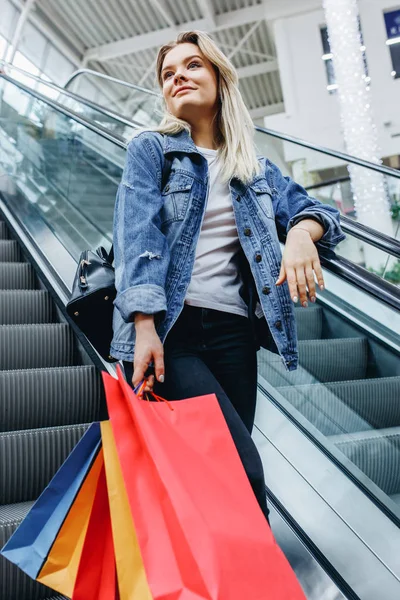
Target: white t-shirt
x=216, y=279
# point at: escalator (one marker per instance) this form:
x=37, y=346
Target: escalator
x=328, y=433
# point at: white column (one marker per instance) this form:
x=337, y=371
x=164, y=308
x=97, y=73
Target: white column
x=20, y=25
x=360, y=133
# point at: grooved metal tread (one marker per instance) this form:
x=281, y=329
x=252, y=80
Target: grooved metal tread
x=17, y=276
x=30, y=458
x=4, y=233
x=10, y=251
x=325, y=360
x=309, y=322
x=25, y=307
x=348, y=406
x=37, y=398
x=35, y=346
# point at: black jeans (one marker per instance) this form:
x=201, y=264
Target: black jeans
x=210, y=351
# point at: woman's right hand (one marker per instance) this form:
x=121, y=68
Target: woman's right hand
x=148, y=348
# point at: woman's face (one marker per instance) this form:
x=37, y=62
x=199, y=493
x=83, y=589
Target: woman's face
x=190, y=87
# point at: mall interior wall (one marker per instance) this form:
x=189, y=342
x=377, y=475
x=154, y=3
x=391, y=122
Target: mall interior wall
x=311, y=111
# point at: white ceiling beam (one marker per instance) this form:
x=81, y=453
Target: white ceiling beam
x=257, y=69
x=266, y=111
x=208, y=11
x=270, y=10
x=244, y=39
x=163, y=10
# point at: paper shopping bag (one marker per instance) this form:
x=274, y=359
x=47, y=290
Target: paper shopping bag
x=191, y=502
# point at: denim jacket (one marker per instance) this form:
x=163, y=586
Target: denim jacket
x=157, y=225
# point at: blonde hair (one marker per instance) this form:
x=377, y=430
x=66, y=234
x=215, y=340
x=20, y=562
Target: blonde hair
x=234, y=127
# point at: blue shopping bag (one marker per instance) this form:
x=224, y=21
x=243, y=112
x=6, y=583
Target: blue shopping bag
x=30, y=544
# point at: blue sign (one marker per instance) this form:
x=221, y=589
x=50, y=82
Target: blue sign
x=392, y=21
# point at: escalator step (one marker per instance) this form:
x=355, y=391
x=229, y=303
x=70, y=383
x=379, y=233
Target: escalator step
x=30, y=458
x=4, y=233
x=376, y=453
x=348, y=406
x=10, y=251
x=309, y=322
x=17, y=276
x=23, y=306
x=14, y=584
x=340, y=359
x=36, y=346
x=36, y=398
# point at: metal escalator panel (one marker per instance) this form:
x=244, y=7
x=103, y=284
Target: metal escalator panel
x=346, y=391
x=57, y=168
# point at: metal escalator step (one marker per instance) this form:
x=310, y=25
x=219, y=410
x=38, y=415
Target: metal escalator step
x=30, y=458
x=309, y=322
x=340, y=359
x=17, y=276
x=36, y=398
x=348, y=406
x=14, y=584
x=36, y=346
x=376, y=453
x=4, y=233
x=10, y=251
x=25, y=306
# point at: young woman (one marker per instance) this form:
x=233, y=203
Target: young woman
x=201, y=282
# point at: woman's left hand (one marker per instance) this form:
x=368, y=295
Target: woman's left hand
x=300, y=261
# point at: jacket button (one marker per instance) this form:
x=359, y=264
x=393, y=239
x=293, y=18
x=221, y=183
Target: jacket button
x=247, y=231
x=278, y=325
x=238, y=198
x=266, y=290
x=166, y=189
x=258, y=258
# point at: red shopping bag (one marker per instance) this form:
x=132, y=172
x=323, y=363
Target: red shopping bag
x=201, y=532
x=96, y=577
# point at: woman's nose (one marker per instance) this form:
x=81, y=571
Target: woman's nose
x=178, y=77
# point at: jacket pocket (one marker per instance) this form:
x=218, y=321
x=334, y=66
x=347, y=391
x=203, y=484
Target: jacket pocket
x=262, y=196
x=176, y=199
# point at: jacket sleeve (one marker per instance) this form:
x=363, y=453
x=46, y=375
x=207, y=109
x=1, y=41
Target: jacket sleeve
x=293, y=204
x=140, y=248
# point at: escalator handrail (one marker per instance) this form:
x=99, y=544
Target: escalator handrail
x=109, y=78
x=81, y=99
x=283, y=136
x=362, y=278
x=374, y=285
x=101, y=131
x=372, y=236
x=335, y=153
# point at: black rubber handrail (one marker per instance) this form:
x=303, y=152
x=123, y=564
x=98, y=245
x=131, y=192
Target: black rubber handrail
x=374, y=285
x=372, y=236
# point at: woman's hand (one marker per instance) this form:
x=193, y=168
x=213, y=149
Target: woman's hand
x=148, y=348
x=300, y=261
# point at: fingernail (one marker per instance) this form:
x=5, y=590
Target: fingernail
x=305, y=304
x=313, y=299
x=295, y=299
x=322, y=287
x=161, y=379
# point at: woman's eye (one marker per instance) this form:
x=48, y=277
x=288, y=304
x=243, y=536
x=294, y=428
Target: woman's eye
x=167, y=75
x=196, y=64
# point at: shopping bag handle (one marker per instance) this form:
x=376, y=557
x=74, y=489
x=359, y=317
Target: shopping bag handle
x=139, y=393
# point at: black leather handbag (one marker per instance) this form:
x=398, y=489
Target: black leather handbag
x=91, y=304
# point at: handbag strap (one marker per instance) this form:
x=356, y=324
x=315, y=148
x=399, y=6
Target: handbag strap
x=165, y=174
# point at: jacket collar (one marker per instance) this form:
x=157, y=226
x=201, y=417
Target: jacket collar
x=180, y=142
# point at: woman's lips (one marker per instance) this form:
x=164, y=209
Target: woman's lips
x=186, y=89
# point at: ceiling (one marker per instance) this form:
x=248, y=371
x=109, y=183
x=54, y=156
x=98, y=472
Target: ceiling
x=121, y=38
